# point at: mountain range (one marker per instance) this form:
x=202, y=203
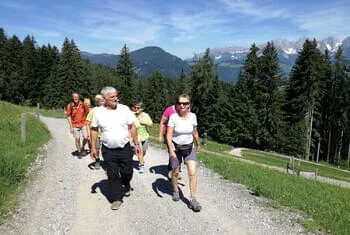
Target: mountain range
x=229, y=60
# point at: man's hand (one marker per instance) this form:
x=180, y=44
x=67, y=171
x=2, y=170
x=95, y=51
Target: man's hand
x=93, y=153
x=137, y=150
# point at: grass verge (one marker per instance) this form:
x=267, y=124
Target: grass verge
x=327, y=205
x=272, y=159
x=17, y=156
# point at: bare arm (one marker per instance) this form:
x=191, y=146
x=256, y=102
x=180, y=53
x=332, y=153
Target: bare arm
x=169, y=139
x=69, y=118
x=196, y=139
x=162, y=122
x=88, y=125
x=133, y=132
x=93, y=138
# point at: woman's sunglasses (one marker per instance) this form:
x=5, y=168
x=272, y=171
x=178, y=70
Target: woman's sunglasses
x=184, y=103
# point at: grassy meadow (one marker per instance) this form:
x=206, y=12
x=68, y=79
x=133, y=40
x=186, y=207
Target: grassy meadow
x=272, y=159
x=15, y=155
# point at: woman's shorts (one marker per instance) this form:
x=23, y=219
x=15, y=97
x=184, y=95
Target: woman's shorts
x=176, y=162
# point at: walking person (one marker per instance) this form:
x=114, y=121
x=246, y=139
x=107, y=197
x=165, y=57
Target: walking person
x=76, y=114
x=99, y=101
x=142, y=122
x=115, y=121
x=182, y=131
x=163, y=124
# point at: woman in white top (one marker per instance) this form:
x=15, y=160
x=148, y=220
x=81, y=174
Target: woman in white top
x=182, y=130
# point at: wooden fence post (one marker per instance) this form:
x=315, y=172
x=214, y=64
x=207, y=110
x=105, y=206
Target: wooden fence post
x=37, y=111
x=23, y=128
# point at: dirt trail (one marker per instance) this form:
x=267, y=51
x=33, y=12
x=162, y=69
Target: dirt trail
x=60, y=200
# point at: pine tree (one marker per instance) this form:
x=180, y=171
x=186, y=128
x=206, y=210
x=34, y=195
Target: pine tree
x=304, y=90
x=155, y=97
x=268, y=99
x=203, y=88
x=31, y=88
x=183, y=87
x=3, y=61
x=14, y=81
x=341, y=101
x=126, y=74
x=70, y=76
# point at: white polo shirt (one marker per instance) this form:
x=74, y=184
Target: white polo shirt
x=113, y=124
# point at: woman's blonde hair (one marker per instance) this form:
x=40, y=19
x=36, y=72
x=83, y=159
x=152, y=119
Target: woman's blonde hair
x=183, y=96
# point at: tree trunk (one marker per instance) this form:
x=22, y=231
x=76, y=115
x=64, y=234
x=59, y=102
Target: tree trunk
x=329, y=144
x=318, y=149
x=340, y=144
x=309, y=132
x=349, y=155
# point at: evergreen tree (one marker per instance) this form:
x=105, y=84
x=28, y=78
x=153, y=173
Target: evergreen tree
x=31, y=88
x=268, y=99
x=183, y=87
x=245, y=120
x=126, y=74
x=3, y=61
x=203, y=86
x=70, y=76
x=14, y=81
x=304, y=90
x=341, y=101
x=155, y=97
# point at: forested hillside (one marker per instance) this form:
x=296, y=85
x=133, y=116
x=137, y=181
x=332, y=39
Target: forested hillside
x=307, y=116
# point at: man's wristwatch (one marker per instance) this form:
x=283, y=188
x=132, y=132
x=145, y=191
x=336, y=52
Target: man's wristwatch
x=137, y=144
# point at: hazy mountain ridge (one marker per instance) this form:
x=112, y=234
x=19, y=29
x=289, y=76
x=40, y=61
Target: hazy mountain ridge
x=229, y=59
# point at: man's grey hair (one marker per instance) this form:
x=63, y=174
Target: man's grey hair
x=106, y=90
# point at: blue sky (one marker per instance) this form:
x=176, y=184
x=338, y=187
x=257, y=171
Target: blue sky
x=181, y=27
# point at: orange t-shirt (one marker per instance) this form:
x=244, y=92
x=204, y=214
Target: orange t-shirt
x=78, y=114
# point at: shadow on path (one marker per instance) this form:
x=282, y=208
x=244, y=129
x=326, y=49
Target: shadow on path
x=103, y=186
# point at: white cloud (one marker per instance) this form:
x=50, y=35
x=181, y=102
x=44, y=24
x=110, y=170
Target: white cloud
x=331, y=20
x=259, y=10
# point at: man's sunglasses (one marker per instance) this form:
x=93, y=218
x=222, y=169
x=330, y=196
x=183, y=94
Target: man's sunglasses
x=184, y=103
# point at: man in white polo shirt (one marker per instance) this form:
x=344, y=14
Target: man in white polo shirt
x=115, y=121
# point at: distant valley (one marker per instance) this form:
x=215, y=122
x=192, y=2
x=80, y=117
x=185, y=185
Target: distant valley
x=229, y=60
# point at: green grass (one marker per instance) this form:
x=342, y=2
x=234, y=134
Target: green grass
x=327, y=205
x=274, y=160
x=16, y=156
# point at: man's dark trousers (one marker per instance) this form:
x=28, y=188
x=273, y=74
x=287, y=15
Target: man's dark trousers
x=118, y=164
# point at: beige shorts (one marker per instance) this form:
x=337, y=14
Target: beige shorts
x=78, y=130
x=144, y=145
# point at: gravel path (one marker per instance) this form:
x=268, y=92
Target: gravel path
x=60, y=200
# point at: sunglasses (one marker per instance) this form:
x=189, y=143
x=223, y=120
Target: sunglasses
x=183, y=103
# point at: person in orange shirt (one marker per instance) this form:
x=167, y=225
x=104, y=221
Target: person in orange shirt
x=76, y=115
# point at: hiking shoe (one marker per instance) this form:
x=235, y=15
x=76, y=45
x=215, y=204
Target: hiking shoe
x=84, y=152
x=116, y=205
x=194, y=205
x=141, y=169
x=176, y=196
x=79, y=155
x=97, y=165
